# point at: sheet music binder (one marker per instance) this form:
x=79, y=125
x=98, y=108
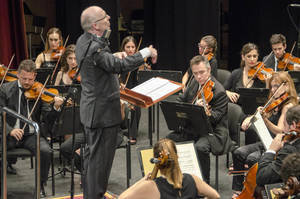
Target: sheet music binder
x=144, y=75
x=149, y=93
x=42, y=74
x=251, y=98
x=178, y=115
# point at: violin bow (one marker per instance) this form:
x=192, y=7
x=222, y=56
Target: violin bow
x=54, y=70
x=11, y=59
x=259, y=68
x=36, y=101
x=289, y=56
x=138, y=47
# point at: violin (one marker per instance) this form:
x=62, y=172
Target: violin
x=72, y=74
x=209, y=56
x=288, y=62
x=260, y=71
x=47, y=95
x=10, y=76
x=206, y=94
x=291, y=187
x=161, y=160
x=276, y=103
x=57, y=53
x=293, y=134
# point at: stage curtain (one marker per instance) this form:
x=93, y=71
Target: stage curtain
x=175, y=27
x=12, y=32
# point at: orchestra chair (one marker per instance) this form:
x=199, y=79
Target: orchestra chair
x=223, y=75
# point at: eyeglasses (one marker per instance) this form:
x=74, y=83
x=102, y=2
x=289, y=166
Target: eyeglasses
x=199, y=46
x=101, y=18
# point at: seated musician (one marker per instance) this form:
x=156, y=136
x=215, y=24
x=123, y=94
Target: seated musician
x=12, y=96
x=219, y=141
x=172, y=183
x=278, y=44
x=282, y=145
x=54, y=42
x=207, y=47
x=274, y=120
x=240, y=78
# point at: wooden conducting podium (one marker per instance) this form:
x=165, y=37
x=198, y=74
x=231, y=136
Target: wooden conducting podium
x=149, y=93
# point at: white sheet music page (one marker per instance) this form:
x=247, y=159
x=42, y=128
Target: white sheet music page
x=262, y=130
x=156, y=88
x=187, y=159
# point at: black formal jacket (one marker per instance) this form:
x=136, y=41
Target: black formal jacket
x=9, y=97
x=270, y=164
x=100, y=95
x=220, y=140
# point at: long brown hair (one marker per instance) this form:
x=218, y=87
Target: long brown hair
x=246, y=49
x=51, y=31
x=64, y=63
x=171, y=168
x=126, y=40
x=281, y=77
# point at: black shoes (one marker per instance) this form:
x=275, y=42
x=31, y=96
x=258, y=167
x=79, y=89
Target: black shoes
x=43, y=192
x=11, y=169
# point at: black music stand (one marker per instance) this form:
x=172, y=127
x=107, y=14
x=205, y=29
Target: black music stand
x=42, y=74
x=179, y=115
x=69, y=121
x=145, y=75
x=296, y=78
x=251, y=98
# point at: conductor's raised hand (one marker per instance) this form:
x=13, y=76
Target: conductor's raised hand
x=153, y=54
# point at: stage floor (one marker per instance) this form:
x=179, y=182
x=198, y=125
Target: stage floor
x=22, y=184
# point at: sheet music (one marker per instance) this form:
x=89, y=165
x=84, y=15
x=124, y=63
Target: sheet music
x=262, y=130
x=155, y=88
x=187, y=159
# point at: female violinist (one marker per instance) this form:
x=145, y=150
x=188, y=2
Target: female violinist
x=239, y=77
x=53, y=48
x=207, y=47
x=172, y=183
x=274, y=120
x=68, y=67
x=130, y=79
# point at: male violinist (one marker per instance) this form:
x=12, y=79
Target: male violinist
x=278, y=44
x=12, y=96
x=270, y=163
x=217, y=142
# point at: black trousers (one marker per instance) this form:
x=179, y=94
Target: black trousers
x=98, y=158
x=203, y=149
x=28, y=142
x=66, y=149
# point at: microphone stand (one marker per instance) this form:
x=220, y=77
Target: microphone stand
x=14, y=114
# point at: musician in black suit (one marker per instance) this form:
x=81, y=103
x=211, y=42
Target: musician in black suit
x=11, y=96
x=218, y=141
x=100, y=110
x=268, y=166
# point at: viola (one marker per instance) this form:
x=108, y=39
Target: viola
x=260, y=71
x=56, y=54
x=277, y=103
x=72, y=74
x=10, y=76
x=47, y=95
x=288, y=62
x=161, y=160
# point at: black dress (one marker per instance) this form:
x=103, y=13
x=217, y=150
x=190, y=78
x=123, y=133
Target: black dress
x=167, y=191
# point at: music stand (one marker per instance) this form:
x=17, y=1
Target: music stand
x=295, y=75
x=144, y=75
x=64, y=89
x=251, y=98
x=42, y=74
x=179, y=115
